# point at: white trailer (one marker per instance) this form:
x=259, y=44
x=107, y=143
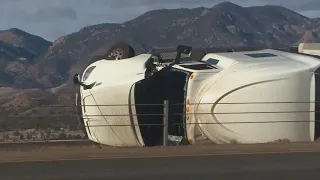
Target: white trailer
x=256, y=96
x=309, y=48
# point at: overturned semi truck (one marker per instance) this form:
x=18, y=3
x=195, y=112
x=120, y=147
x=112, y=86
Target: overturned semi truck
x=223, y=96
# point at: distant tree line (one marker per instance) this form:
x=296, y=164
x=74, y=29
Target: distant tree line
x=43, y=136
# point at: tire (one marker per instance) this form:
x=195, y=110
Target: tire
x=119, y=51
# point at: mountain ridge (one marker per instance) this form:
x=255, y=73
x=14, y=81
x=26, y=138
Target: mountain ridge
x=19, y=51
x=168, y=23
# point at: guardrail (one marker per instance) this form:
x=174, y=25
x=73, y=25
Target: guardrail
x=165, y=115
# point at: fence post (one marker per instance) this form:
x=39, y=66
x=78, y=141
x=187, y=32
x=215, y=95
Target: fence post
x=165, y=122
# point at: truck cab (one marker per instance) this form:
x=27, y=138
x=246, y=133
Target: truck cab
x=222, y=97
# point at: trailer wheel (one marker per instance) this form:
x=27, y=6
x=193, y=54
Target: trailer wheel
x=119, y=51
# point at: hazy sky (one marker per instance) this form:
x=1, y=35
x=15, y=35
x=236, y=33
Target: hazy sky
x=53, y=18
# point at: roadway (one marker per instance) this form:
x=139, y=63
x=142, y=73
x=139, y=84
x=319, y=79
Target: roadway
x=257, y=162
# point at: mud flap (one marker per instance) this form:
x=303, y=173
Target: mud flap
x=79, y=113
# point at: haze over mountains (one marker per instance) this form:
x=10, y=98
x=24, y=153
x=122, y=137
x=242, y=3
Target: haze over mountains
x=32, y=64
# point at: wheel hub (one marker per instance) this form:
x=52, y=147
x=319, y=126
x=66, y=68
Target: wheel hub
x=116, y=54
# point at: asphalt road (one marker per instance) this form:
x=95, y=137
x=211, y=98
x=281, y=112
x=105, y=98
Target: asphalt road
x=292, y=166
x=293, y=161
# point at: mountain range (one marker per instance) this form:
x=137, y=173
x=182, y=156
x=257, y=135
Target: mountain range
x=34, y=67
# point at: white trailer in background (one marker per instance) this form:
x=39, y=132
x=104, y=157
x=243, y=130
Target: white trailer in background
x=254, y=96
x=309, y=48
